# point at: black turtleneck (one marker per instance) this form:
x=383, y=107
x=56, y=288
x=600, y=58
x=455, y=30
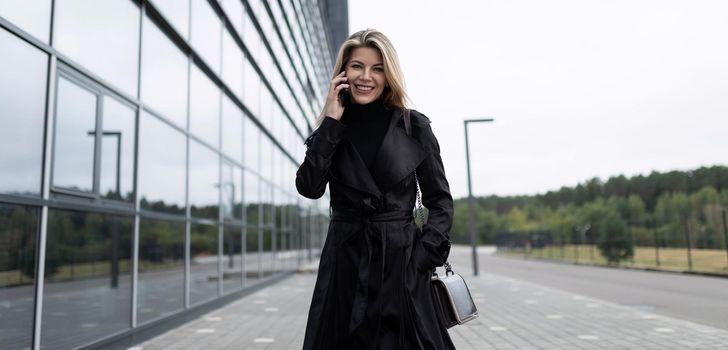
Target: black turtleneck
x=366, y=126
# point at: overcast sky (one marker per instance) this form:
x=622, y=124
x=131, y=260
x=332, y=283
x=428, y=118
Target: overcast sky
x=578, y=89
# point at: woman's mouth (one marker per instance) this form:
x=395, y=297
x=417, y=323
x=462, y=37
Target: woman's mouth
x=363, y=89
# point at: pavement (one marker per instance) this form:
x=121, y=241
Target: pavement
x=514, y=314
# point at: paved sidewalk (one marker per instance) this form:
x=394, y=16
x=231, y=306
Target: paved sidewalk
x=514, y=315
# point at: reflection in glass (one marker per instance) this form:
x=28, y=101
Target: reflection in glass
x=22, y=112
x=251, y=90
x=73, y=152
x=235, y=12
x=204, y=181
x=33, y=17
x=164, y=75
x=203, y=263
x=232, y=130
x=87, y=277
x=232, y=188
x=177, y=12
x=82, y=30
x=267, y=256
x=18, y=231
x=206, y=30
x=161, y=268
x=266, y=162
x=232, y=258
x=117, y=147
x=251, y=145
x=252, y=256
x=232, y=64
x=204, y=108
x=252, y=198
x=162, y=160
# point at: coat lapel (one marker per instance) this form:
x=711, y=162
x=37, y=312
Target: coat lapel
x=398, y=156
x=348, y=168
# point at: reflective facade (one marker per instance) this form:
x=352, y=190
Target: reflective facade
x=149, y=174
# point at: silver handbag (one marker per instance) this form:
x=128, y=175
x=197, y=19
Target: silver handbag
x=452, y=296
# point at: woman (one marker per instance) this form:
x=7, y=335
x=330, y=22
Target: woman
x=373, y=285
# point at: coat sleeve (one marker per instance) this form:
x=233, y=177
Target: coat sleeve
x=312, y=174
x=438, y=201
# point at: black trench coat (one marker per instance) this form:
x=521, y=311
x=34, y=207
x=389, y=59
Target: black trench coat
x=373, y=289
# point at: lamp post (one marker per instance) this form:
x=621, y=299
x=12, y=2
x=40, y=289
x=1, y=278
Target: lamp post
x=471, y=200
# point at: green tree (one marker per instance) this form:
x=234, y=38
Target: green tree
x=614, y=242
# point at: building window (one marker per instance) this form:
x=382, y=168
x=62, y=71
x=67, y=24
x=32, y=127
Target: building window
x=82, y=30
x=22, y=114
x=162, y=166
x=161, y=290
x=18, y=232
x=33, y=17
x=87, y=277
x=93, y=153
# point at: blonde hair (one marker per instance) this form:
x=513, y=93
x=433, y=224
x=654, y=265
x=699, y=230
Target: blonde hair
x=394, y=94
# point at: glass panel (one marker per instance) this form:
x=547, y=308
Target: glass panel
x=232, y=187
x=204, y=181
x=251, y=145
x=267, y=256
x=204, y=108
x=162, y=163
x=22, y=114
x=87, y=277
x=234, y=12
x=203, y=263
x=252, y=198
x=266, y=162
x=232, y=259
x=164, y=75
x=266, y=199
x=252, y=256
x=82, y=30
x=177, y=13
x=33, y=17
x=73, y=152
x=206, y=31
x=117, y=147
x=18, y=232
x=251, y=91
x=232, y=130
x=161, y=278
x=232, y=65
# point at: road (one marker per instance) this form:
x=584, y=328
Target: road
x=699, y=299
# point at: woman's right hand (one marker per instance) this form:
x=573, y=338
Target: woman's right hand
x=333, y=107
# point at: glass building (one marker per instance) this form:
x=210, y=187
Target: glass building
x=148, y=152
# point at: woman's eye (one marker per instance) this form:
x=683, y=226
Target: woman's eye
x=379, y=69
x=355, y=66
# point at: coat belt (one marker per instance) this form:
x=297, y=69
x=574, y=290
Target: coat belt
x=359, y=306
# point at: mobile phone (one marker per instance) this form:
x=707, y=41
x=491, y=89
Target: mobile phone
x=344, y=97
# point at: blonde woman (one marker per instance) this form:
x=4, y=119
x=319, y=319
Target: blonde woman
x=373, y=286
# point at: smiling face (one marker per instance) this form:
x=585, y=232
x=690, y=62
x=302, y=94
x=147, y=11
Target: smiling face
x=366, y=75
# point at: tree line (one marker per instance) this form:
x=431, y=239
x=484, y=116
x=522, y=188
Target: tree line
x=670, y=209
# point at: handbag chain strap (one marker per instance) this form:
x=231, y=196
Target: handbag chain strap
x=419, y=214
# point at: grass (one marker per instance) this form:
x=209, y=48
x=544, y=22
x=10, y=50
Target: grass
x=672, y=259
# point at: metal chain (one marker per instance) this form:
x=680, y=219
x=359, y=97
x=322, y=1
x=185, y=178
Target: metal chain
x=419, y=202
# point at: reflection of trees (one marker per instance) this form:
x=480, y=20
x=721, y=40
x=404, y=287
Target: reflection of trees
x=18, y=230
x=161, y=206
x=161, y=244
x=85, y=245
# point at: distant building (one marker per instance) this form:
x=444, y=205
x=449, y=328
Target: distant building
x=148, y=152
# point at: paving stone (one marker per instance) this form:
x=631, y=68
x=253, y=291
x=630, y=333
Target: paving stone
x=514, y=314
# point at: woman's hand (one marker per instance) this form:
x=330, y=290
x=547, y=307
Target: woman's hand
x=333, y=107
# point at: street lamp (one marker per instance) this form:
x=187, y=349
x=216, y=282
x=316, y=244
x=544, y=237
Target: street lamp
x=471, y=200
